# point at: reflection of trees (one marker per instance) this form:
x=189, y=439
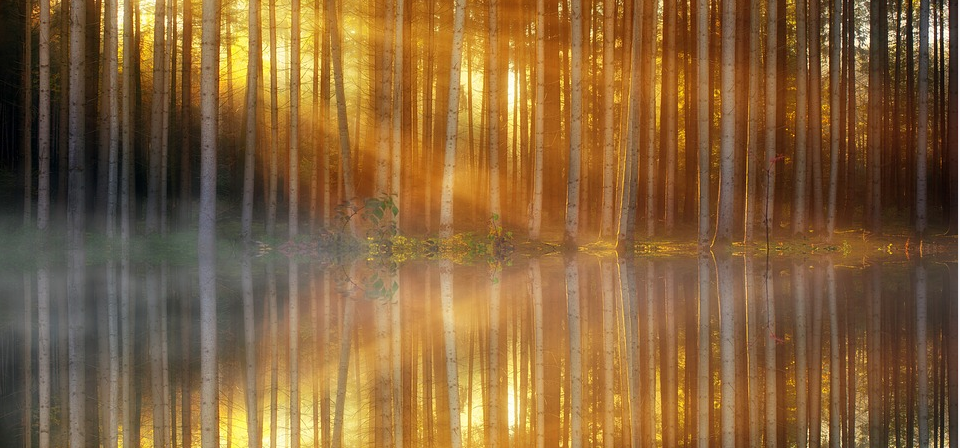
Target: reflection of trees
x=618, y=370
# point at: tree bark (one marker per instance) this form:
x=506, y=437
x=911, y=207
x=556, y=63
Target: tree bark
x=453, y=109
x=206, y=235
x=726, y=204
x=572, y=216
x=250, y=145
x=923, y=101
x=43, y=119
x=799, y=211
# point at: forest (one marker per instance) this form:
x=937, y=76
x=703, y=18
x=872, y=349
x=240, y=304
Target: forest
x=536, y=222
x=574, y=121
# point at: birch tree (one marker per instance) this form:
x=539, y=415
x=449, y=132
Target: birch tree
x=703, y=124
x=835, y=116
x=27, y=111
x=572, y=217
x=725, y=208
x=453, y=108
x=492, y=73
x=770, y=115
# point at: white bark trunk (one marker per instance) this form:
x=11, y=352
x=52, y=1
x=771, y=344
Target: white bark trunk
x=453, y=109
x=536, y=207
x=571, y=224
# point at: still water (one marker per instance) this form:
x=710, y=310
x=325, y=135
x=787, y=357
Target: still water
x=555, y=351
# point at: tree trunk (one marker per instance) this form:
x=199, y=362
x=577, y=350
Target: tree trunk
x=453, y=109
x=206, y=235
x=669, y=106
x=43, y=120
x=703, y=125
x=27, y=111
x=572, y=216
x=492, y=73
x=835, y=373
x=293, y=361
x=609, y=152
x=950, y=177
x=875, y=113
x=44, y=360
x=450, y=334
x=753, y=159
x=728, y=383
x=771, y=339
x=250, y=146
x=726, y=205
x=186, y=107
x=536, y=207
x=274, y=142
x=923, y=100
x=814, y=104
x=346, y=166
x=157, y=103
x=631, y=143
x=293, y=177
x=835, y=116
x=799, y=211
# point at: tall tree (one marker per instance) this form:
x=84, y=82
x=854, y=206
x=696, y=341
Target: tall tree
x=293, y=177
x=703, y=125
x=950, y=201
x=274, y=122
x=158, y=102
x=726, y=207
x=536, y=206
x=835, y=117
x=923, y=101
x=875, y=113
x=492, y=73
x=609, y=153
x=572, y=221
x=346, y=167
x=109, y=110
x=630, y=144
x=799, y=211
x=814, y=115
x=27, y=111
x=669, y=109
x=206, y=235
x=754, y=160
x=453, y=109
x=43, y=119
x=186, y=107
x=250, y=146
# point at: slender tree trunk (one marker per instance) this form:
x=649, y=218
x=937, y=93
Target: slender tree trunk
x=631, y=143
x=492, y=73
x=726, y=207
x=704, y=375
x=669, y=105
x=920, y=292
x=293, y=177
x=157, y=104
x=799, y=211
x=609, y=152
x=572, y=221
x=923, y=100
x=76, y=210
x=293, y=362
x=874, y=119
x=536, y=288
x=206, y=236
x=43, y=119
x=753, y=159
x=346, y=166
x=770, y=117
x=536, y=207
x=610, y=346
x=274, y=142
x=835, y=373
x=835, y=117
x=703, y=124
x=450, y=343
x=950, y=177
x=453, y=109
x=728, y=386
x=814, y=104
x=44, y=360
x=27, y=111
x=186, y=108
x=250, y=146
